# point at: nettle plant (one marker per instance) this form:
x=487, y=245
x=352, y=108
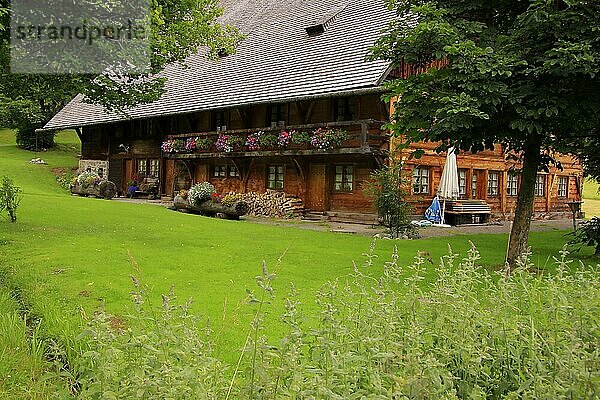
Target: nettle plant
x=159, y=354
x=455, y=331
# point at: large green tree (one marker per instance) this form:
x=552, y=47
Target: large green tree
x=176, y=29
x=517, y=73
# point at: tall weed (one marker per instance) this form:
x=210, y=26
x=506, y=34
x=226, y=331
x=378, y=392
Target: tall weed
x=465, y=334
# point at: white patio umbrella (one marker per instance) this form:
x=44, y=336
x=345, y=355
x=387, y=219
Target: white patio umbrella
x=449, y=189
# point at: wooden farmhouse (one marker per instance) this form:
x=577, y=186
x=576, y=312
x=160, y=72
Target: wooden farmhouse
x=296, y=109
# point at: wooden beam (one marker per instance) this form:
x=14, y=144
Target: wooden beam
x=309, y=112
x=341, y=124
x=243, y=116
x=549, y=187
x=300, y=169
x=364, y=133
x=503, y=187
x=281, y=153
x=247, y=172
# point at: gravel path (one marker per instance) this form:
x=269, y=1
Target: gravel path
x=368, y=230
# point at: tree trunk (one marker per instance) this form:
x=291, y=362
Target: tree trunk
x=519, y=235
x=239, y=209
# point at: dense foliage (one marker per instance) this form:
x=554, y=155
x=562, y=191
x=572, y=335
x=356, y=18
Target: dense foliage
x=177, y=29
x=387, y=188
x=587, y=234
x=10, y=197
x=590, y=156
x=523, y=74
x=464, y=335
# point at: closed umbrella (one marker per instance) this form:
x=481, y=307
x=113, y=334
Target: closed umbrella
x=449, y=189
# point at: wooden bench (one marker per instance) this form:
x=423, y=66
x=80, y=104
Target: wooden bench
x=461, y=212
x=149, y=187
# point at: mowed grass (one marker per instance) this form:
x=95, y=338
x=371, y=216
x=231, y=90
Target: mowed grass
x=71, y=255
x=591, y=199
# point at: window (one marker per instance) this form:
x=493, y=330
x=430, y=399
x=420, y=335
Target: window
x=462, y=182
x=474, y=185
x=233, y=172
x=220, y=121
x=275, y=178
x=493, y=178
x=154, y=168
x=220, y=171
x=421, y=180
x=512, y=184
x=142, y=167
x=148, y=168
x=344, y=178
x=540, y=185
x=563, y=186
x=277, y=115
x=344, y=109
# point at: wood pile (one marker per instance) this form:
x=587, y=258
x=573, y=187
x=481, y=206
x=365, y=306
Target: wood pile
x=272, y=204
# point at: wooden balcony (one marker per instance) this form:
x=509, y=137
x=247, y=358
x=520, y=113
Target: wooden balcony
x=361, y=137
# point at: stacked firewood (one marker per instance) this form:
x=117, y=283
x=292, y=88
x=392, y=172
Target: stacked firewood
x=271, y=204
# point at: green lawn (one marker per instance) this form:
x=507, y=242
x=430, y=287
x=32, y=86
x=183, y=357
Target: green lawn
x=591, y=199
x=70, y=255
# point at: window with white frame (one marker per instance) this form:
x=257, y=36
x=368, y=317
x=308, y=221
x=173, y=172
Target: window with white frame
x=233, y=172
x=540, y=185
x=493, y=179
x=220, y=171
x=344, y=178
x=462, y=182
x=563, y=186
x=142, y=167
x=275, y=177
x=474, y=185
x=512, y=184
x=421, y=180
x=154, y=168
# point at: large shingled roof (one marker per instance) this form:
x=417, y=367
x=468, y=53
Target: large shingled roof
x=277, y=62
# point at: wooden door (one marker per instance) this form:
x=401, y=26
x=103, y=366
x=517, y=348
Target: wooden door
x=478, y=184
x=115, y=173
x=317, y=187
x=127, y=174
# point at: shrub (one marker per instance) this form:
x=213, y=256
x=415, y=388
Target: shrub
x=200, y=192
x=10, y=198
x=386, y=187
x=587, y=234
x=29, y=140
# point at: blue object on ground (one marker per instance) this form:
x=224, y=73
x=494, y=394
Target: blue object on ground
x=434, y=212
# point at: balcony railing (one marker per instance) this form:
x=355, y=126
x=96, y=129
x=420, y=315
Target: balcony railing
x=354, y=137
